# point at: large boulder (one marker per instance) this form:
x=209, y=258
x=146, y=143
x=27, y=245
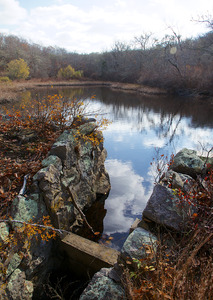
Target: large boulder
x=188, y=162
x=135, y=244
x=166, y=209
x=103, y=287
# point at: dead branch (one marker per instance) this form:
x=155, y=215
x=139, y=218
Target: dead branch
x=79, y=210
x=61, y=231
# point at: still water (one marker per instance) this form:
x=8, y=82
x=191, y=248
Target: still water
x=143, y=128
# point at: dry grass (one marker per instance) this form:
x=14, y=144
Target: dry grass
x=10, y=90
x=179, y=273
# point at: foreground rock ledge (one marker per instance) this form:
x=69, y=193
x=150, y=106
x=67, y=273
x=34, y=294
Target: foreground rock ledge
x=75, y=162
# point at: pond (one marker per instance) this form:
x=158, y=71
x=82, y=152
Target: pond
x=144, y=132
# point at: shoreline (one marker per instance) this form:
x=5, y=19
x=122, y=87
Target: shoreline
x=10, y=91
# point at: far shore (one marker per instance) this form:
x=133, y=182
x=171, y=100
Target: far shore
x=9, y=91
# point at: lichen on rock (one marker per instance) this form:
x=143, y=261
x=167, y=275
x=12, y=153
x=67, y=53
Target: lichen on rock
x=78, y=163
x=102, y=287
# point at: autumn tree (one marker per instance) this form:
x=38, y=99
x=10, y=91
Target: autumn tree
x=18, y=69
x=69, y=73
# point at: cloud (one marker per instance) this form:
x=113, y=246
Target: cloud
x=95, y=26
x=11, y=12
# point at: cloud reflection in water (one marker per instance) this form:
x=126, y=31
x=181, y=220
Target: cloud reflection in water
x=127, y=199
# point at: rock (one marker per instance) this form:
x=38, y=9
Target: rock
x=4, y=232
x=176, y=180
x=87, y=128
x=187, y=162
x=24, y=209
x=14, y=263
x=74, y=162
x=102, y=287
x=18, y=287
x=28, y=208
x=135, y=244
x=163, y=209
x=52, y=160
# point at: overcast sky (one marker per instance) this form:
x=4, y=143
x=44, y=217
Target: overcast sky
x=88, y=26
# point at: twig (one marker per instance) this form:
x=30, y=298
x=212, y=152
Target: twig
x=79, y=210
x=36, y=225
x=207, y=157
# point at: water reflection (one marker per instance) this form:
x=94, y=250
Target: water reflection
x=126, y=200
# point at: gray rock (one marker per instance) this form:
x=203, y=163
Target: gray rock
x=135, y=244
x=4, y=232
x=13, y=264
x=18, y=287
x=103, y=288
x=28, y=208
x=24, y=209
x=176, y=180
x=163, y=208
x=187, y=162
x=77, y=163
x=60, y=149
x=87, y=128
x=52, y=160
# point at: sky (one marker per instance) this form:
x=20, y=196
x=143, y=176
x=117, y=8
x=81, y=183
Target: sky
x=86, y=26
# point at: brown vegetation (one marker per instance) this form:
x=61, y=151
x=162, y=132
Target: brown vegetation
x=182, y=267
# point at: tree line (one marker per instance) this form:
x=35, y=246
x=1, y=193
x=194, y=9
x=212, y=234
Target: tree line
x=172, y=62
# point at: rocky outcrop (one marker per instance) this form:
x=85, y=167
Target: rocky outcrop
x=76, y=161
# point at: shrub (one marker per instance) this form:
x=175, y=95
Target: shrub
x=69, y=73
x=4, y=79
x=18, y=69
